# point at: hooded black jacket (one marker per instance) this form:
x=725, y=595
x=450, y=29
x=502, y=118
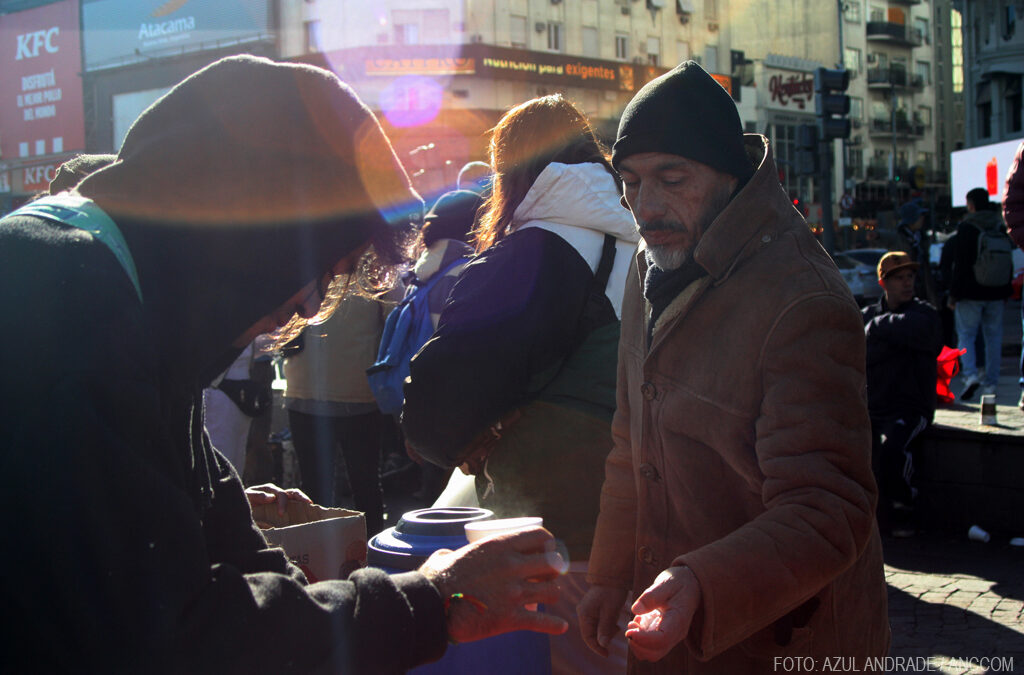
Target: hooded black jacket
x=131, y=546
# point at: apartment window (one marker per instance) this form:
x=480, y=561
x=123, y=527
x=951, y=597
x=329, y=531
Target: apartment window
x=555, y=41
x=621, y=46
x=856, y=108
x=855, y=162
x=407, y=33
x=517, y=31
x=923, y=69
x=924, y=116
x=590, y=47
x=881, y=60
x=880, y=111
x=711, y=9
x=1012, y=96
x=654, y=51
x=312, y=36
x=877, y=13
x=921, y=25
x=984, y=109
x=711, y=58
x=851, y=10
x=851, y=59
x=682, y=51
x=1009, y=21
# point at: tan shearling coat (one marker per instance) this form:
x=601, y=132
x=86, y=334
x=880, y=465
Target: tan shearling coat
x=742, y=448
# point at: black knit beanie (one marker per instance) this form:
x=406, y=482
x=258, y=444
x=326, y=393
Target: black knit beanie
x=685, y=112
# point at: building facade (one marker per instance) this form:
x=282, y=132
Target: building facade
x=993, y=62
x=442, y=75
x=891, y=49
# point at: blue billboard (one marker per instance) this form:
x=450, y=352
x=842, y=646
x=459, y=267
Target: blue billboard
x=118, y=32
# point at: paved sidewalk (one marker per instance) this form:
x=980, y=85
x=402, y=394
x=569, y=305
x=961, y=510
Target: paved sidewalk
x=955, y=606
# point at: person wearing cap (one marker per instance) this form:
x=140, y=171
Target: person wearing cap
x=738, y=502
x=904, y=338
x=915, y=242
x=976, y=307
x=130, y=543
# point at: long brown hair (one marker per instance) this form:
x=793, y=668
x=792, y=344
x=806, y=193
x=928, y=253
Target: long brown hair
x=526, y=139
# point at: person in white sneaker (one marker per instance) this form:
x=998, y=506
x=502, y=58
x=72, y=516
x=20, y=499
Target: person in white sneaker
x=978, y=303
x=904, y=337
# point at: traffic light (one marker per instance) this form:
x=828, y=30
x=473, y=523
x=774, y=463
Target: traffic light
x=830, y=103
x=805, y=160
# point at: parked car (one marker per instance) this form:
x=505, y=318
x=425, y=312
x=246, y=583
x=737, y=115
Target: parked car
x=859, y=276
x=868, y=256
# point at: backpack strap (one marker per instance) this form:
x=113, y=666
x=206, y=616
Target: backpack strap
x=604, y=267
x=82, y=213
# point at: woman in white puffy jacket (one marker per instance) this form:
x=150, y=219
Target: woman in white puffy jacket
x=519, y=379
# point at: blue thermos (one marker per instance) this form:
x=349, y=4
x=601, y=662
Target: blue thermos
x=408, y=544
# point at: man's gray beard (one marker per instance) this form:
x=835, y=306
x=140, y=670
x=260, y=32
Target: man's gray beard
x=667, y=258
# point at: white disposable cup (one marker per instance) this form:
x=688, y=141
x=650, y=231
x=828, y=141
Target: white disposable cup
x=978, y=534
x=480, y=529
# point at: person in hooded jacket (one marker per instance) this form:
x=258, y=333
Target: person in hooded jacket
x=131, y=544
x=518, y=380
x=445, y=235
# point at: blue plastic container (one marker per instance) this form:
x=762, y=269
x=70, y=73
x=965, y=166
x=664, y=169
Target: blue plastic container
x=405, y=546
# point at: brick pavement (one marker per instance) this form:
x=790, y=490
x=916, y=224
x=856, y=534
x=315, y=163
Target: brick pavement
x=956, y=606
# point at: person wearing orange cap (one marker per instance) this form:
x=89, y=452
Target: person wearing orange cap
x=904, y=337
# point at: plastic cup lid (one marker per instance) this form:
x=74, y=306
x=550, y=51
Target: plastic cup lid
x=487, y=528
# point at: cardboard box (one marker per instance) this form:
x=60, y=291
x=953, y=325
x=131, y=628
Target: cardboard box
x=326, y=543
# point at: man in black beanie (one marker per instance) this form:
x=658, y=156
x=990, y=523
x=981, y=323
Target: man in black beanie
x=741, y=469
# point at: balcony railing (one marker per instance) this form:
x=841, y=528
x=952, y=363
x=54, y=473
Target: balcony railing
x=898, y=33
x=908, y=3
x=905, y=128
x=894, y=76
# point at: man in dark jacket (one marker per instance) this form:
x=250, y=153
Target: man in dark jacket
x=131, y=545
x=976, y=306
x=904, y=338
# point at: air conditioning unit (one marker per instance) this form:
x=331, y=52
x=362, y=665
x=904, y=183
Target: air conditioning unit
x=477, y=38
x=625, y=11
x=540, y=26
x=556, y=2
x=872, y=58
x=684, y=19
x=712, y=26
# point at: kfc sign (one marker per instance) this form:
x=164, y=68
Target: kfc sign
x=29, y=44
x=41, y=90
x=37, y=178
x=790, y=91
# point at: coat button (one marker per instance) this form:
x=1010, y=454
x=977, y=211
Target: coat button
x=648, y=471
x=645, y=555
x=648, y=391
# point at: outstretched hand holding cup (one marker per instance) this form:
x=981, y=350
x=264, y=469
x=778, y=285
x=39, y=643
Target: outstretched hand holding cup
x=497, y=577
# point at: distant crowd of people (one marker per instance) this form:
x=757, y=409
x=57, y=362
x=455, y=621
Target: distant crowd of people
x=645, y=345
